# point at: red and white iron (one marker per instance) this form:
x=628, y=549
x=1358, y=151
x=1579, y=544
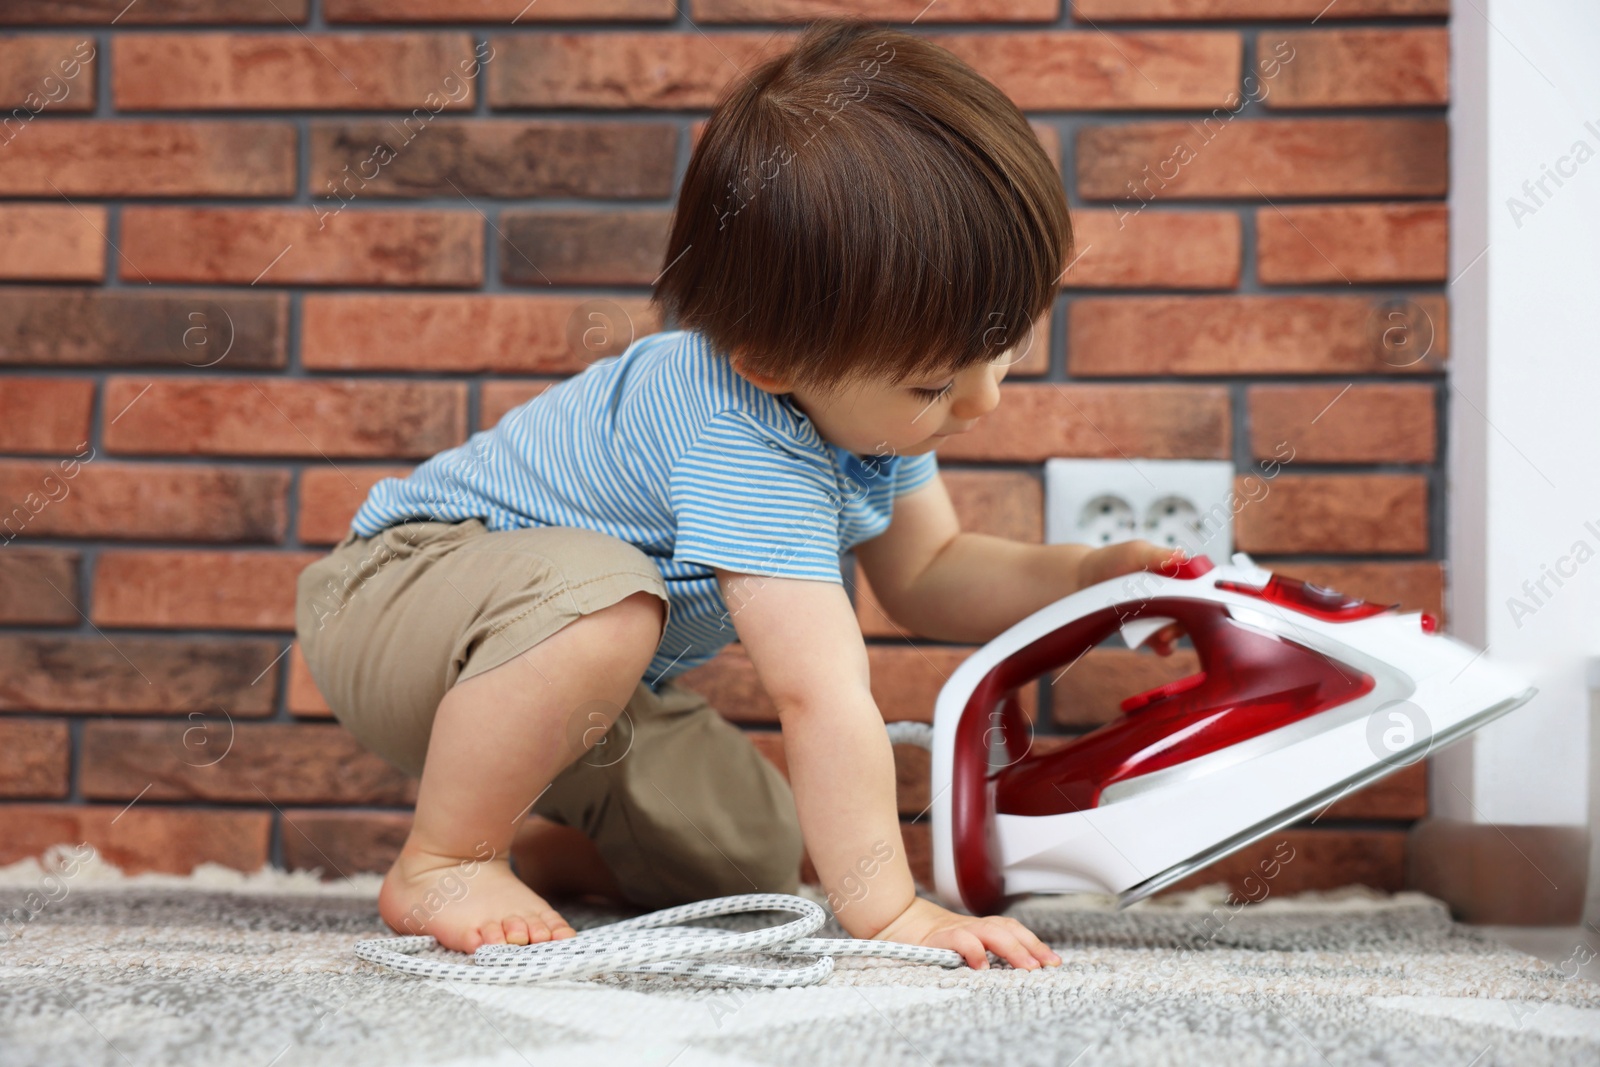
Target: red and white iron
x=1302, y=695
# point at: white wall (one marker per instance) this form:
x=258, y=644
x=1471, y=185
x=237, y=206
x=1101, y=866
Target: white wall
x=1524, y=427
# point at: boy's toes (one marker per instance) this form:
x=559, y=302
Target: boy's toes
x=491, y=933
x=517, y=930
x=559, y=927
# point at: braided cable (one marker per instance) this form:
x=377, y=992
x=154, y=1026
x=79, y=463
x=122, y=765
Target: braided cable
x=655, y=944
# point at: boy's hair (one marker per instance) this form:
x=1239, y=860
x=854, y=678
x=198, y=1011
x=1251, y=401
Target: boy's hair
x=865, y=207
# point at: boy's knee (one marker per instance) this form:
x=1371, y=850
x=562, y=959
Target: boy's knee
x=637, y=619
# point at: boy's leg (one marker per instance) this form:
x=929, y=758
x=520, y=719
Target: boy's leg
x=558, y=861
x=680, y=803
x=498, y=739
x=445, y=634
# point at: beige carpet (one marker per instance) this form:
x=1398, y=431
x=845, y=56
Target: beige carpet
x=221, y=968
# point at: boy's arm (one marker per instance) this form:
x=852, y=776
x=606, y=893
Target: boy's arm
x=807, y=650
x=952, y=585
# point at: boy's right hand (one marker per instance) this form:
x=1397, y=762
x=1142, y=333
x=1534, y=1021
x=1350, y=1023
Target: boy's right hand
x=926, y=923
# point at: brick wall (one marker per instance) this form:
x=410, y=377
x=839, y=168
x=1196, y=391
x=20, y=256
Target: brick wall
x=224, y=315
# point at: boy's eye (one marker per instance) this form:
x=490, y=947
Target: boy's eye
x=933, y=394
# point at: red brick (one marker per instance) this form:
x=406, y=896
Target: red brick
x=1353, y=243
x=606, y=247
x=267, y=417
x=1301, y=860
x=107, y=159
x=1124, y=336
x=124, y=501
x=44, y=73
x=138, y=675
x=1158, y=250
x=1074, y=71
x=498, y=398
x=906, y=680
x=122, y=13
x=1035, y=358
x=1038, y=70
x=342, y=843
x=1489, y=873
x=45, y=415
x=492, y=157
x=52, y=242
x=70, y=326
x=1345, y=424
x=1412, y=586
x=183, y=71
x=920, y=11
x=141, y=837
x=1209, y=10
x=912, y=788
x=1038, y=420
x=286, y=246
x=330, y=498
x=1050, y=141
x=305, y=700
x=500, y=11
x=1355, y=514
x=1218, y=157
x=165, y=589
x=918, y=845
x=39, y=587
x=534, y=334
x=651, y=69
x=1358, y=68
x=286, y=763
x=35, y=758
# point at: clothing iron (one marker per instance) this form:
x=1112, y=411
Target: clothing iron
x=1302, y=695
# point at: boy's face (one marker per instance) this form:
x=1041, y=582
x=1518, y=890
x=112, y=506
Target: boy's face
x=910, y=418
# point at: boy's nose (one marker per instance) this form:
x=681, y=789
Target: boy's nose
x=978, y=400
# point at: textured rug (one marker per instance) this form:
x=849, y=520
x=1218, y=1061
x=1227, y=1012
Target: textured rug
x=221, y=968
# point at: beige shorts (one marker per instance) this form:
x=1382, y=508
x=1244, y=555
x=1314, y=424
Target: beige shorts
x=678, y=800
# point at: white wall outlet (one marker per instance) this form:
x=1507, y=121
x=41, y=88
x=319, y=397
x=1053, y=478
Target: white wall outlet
x=1181, y=502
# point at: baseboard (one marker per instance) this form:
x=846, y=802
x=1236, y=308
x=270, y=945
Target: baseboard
x=1501, y=875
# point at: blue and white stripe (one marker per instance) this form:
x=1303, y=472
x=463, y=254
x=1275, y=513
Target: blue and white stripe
x=667, y=448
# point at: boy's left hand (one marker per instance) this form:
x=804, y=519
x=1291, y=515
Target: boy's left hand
x=1126, y=557
x=926, y=923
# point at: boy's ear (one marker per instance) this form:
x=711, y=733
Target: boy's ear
x=760, y=381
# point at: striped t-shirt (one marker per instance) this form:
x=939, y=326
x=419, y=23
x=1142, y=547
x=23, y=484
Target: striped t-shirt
x=666, y=447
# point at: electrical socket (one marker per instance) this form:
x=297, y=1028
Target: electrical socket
x=1181, y=502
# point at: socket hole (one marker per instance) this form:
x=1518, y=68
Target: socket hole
x=1107, y=519
x=1172, y=521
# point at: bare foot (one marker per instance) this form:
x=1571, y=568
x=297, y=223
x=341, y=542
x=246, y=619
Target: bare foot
x=465, y=902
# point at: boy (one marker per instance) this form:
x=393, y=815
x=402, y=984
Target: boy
x=865, y=235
